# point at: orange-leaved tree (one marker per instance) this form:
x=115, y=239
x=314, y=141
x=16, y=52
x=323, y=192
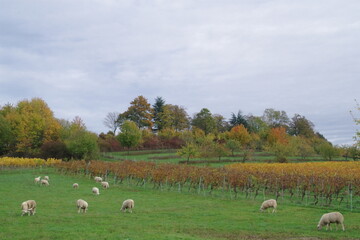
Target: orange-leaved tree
x=140, y=112
x=278, y=143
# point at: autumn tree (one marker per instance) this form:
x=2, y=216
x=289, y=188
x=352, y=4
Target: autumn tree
x=240, y=134
x=130, y=135
x=32, y=123
x=111, y=121
x=108, y=142
x=204, y=120
x=139, y=112
x=278, y=143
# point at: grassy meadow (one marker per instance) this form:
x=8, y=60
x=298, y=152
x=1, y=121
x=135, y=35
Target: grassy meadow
x=157, y=214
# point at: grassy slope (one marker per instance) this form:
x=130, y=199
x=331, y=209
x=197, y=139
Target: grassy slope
x=157, y=214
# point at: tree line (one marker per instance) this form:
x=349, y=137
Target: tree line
x=29, y=129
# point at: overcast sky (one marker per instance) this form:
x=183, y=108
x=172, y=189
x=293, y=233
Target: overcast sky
x=88, y=58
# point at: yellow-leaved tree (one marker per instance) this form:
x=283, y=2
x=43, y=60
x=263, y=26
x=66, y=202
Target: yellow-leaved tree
x=32, y=123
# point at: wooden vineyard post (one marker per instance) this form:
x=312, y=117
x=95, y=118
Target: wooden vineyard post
x=223, y=188
x=350, y=195
x=199, y=189
x=264, y=193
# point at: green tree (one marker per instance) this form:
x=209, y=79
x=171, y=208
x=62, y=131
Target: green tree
x=302, y=147
x=205, y=121
x=188, y=151
x=130, y=135
x=80, y=143
x=219, y=150
x=174, y=116
x=275, y=118
x=7, y=138
x=158, y=108
x=221, y=124
x=238, y=119
x=327, y=151
x=139, y=112
x=354, y=152
x=300, y=126
x=256, y=125
x=233, y=145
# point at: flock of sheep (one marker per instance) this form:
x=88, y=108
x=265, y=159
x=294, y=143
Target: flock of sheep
x=29, y=206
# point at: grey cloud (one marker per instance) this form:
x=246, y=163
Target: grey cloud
x=89, y=58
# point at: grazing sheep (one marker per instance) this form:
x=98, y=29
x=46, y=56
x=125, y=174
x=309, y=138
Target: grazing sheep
x=98, y=179
x=95, y=190
x=333, y=217
x=82, y=205
x=37, y=180
x=127, y=204
x=105, y=185
x=75, y=185
x=46, y=178
x=44, y=182
x=271, y=203
x=28, y=207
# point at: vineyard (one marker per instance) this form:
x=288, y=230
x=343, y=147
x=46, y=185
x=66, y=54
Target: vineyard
x=6, y=162
x=324, y=184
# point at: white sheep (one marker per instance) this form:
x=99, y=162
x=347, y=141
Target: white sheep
x=82, y=205
x=28, y=207
x=271, y=203
x=46, y=178
x=128, y=204
x=44, y=182
x=37, y=180
x=95, y=190
x=105, y=185
x=98, y=179
x=333, y=217
x=75, y=185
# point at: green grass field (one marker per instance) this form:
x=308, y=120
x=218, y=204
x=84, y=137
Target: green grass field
x=157, y=214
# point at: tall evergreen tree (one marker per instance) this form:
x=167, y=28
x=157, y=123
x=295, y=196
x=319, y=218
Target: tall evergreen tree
x=158, y=108
x=238, y=119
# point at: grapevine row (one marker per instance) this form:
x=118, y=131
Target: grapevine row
x=328, y=181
